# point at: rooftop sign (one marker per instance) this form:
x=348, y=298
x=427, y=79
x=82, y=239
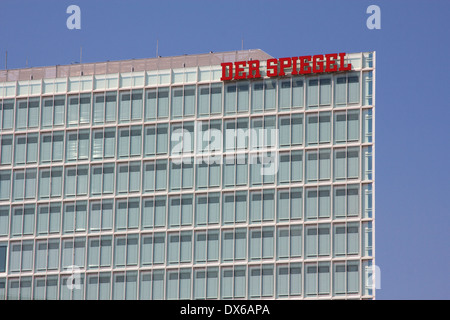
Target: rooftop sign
x=320, y=63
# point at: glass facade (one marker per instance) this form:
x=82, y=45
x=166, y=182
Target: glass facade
x=171, y=184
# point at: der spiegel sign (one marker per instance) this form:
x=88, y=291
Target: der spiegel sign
x=320, y=63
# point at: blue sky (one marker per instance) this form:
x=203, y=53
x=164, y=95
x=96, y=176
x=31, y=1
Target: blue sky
x=412, y=111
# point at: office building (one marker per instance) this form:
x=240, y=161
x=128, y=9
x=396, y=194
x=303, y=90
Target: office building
x=155, y=179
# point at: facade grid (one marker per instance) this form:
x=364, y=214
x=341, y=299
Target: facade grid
x=152, y=184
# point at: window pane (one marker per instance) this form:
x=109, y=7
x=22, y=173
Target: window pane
x=5, y=184
x=163, y=102
x=85, y=108
x=311, y=280
x=312, y=129
x=324, y=279
x=324, y=128
x=110, y=106
x=325, y=91
x=340, y=90
x=150, y=104
x=339, y=164
x=216, y=98
x=136, y=105
x=270, y=95
x=189, y=100
x=324, y=165
x=353, y=89
x=353, y=163
x=352, y=238
x=297, y=92
x=324, y=240
x=149, y=176
x=324, y=202
x=339, y=202
x=243, y=97
x=311, y=166
x=20, y=150
x=340, y=127
x=311, y=242
x=230, y=98
x=284, y=94
x=254, y=282
x=255, y=207
x=352, y=278
x=99, y=108
x=339, y=240
x=177, y=102
x=312, y=95
x=297, y=129
x=353, y=126
x=161, y=140
x=161, y=175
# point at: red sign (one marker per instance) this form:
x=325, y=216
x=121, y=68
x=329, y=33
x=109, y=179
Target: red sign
x=277, y=67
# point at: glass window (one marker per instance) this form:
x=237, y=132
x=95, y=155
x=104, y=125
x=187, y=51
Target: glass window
x=150, y=104
x=230, y=98
x=352, y=162
x=312, y=129
x=353, y=89
x=6, y=149
x=311, y=166
x=177, y=102
x=98, y=106
x=340, y=127
x=203, y=100
x=270, y=92
x=213, y=245
x=163, y=102
x=324, y=278
x=149, y=140
x=20, y=150
x=339, y=164
x=4, y=220
x=162, y=139
x=254, y=282
x=353, y=126
x=324, y=164
x=110, y=106
x=21, y=114
x=353, y=238
x=297, y=92
x=312, y=94
x=216, y=98
x=200, y=247
x=311, y=242
x=8, y=114
x=185, y=247
x=284, y=95
x=324, y=127
x=340, y=93
x=325, y=91
x=242, y=97
x=324, y=202
x=189, y=101
x=324, y=239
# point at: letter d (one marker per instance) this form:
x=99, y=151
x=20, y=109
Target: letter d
x=228, y=309
x=225, y=66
